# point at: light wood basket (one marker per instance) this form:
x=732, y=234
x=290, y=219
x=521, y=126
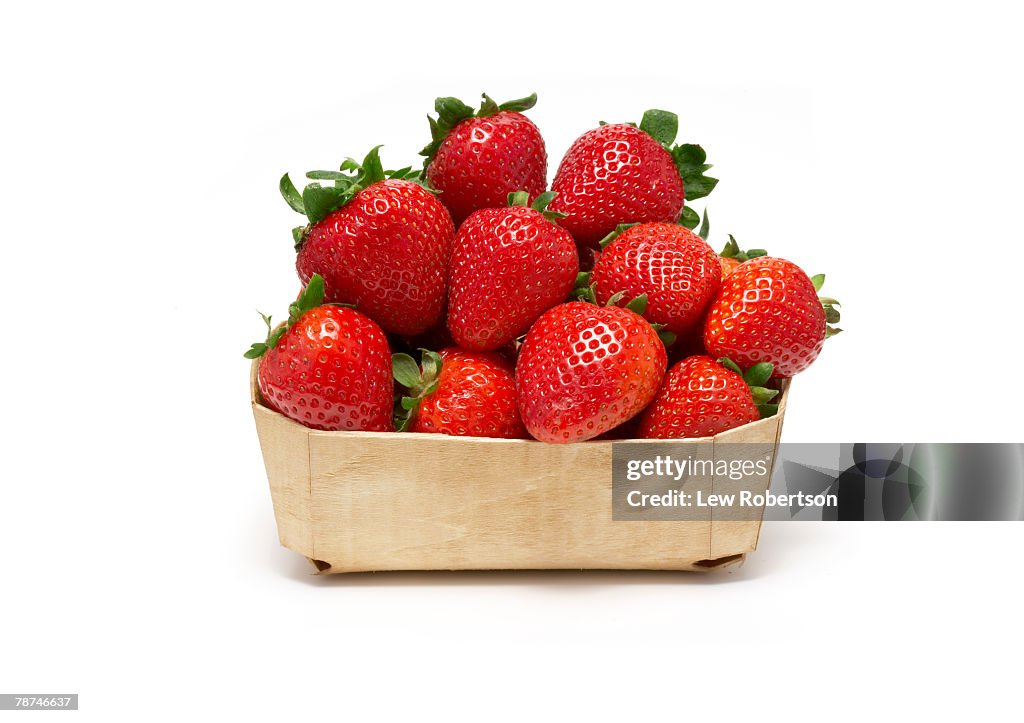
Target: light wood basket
x=375, y=501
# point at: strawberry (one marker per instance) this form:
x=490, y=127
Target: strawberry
x=673, y=266
x=459, y=392
x=585, y=369
x=476, y=159
x=768, y=310
x=509, y=266
x=627, y=174
x=328, y=367
x=380, y=241
x=732, y=256
x=701, y=398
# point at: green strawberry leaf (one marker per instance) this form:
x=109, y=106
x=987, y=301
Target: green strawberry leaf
x=661, y=125
x=520, y=104
x=372, y=170
x=431, y=362
x=759, y=374
x=583, y=290
x=818, y=280
x=311, y=297
x=615, y=298
x=326, y=175
x=762, y=395
x=730, y=365
x=541, y=203
x=487, y=106
x=291, y=194
x=689, y=218
x=519, y=198
x=451, y=111
x=690, y=162
x=767, y=410
x=405, y=370
x=705, y=227
x=615, y=234
x=256, y=351
x=732, y=250
x=420, y=380
x=638, y=305
x=299, y=235
x=319, y=200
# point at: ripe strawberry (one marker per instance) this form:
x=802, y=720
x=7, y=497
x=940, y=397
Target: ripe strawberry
x=672, y=265
x=477, y=159
x=626, y=174
x=380, y=241
x=732, y=256
x=328, y=367
x=509, y=266
x=701, y=398
x=768, y=310
x=585, y=369
x=458, y=392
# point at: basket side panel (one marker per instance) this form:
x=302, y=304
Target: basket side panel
x=413, y=502
x=731, y=537
x=285, y=446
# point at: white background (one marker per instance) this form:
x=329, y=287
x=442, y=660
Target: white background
x=141, y=148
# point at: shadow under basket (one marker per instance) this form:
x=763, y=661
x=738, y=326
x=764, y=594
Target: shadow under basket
x=375, y=501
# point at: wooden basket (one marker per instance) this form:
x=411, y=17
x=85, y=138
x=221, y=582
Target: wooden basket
x=374, y=501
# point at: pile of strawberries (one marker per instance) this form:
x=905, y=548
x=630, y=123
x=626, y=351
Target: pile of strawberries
x=590, y=309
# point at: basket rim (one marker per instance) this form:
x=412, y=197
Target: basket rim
x=257, y=403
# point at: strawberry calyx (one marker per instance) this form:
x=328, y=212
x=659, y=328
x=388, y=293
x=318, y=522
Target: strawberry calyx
x=311, y=297
x=690, y=158
x=540, y=204
x=585, y=291
x=603, y=243
x=452, y=111
x=317, y=200
x=829, y=305
x=421, y=380
x=732, y=251
x=756, y=377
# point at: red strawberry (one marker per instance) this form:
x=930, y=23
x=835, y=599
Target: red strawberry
x=458, y=392
x=701, y=398
x=768, y=310
x=328, y=367
x=624, y=174
x=380, y=241
x=509, y=266
x=585, y=369
x=672, y=265
x=477, y=159
x=732, y=256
